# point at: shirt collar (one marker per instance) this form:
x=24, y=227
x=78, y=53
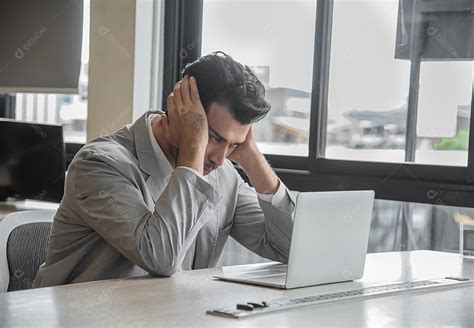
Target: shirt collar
x=160, y=157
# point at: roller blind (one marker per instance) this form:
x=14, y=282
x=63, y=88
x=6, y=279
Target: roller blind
x=446, y=29
x=40, y=45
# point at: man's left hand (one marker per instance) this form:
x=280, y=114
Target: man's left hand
x=252, y=161
x=245, y=151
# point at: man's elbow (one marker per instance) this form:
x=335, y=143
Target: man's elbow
x=163, y=266
x=155, y=262
x=163, y=271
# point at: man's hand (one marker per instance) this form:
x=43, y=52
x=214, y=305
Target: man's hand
x=252, y=161
x=185, y=125
x=245, y=149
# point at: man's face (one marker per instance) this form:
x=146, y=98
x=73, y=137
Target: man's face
x=225, y=135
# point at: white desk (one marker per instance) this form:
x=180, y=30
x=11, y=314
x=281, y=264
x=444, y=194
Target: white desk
x=183, y=299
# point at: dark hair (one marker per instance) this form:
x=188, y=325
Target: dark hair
x=223, y=80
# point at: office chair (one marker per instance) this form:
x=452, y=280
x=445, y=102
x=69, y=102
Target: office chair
x=24, y=239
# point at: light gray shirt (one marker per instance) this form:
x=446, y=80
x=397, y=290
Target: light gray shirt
x=123, y=214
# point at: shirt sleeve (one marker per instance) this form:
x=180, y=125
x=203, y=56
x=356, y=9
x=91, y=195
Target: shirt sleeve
x=156, y=239
x=277, y=199
x=262, y=227
x=191, y=170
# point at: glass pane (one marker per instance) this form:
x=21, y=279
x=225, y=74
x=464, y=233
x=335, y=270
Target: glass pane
x=67, y=109
x=368, y=87
x=276, y=39
x=444, y=111
x=373, y=44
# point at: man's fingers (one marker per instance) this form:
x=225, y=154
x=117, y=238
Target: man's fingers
x=167, y=130
x=165, y=123
x=170, y=101
x=171, y=105
x=185, y=90
x=186, y=117
x=250, y=133
x=194, y=90
x=165, y=120
x=178, y=101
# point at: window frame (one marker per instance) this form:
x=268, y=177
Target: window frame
x=413, y=182
x=7, y=105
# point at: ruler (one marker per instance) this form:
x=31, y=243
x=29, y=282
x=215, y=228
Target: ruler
x=255, y=308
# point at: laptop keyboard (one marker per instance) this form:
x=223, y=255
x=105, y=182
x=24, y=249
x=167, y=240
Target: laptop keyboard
x=259, y=275
x=276, y=270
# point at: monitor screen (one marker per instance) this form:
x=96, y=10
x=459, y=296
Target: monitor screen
x=32, y=161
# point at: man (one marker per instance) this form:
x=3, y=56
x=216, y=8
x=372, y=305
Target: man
x=160, y=196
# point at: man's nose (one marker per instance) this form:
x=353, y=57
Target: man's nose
x=219, y=155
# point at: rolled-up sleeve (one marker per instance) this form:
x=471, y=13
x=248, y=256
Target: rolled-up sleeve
x=279, y=198
x=262, y=226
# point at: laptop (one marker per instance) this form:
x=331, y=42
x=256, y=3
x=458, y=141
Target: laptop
x=329, y=243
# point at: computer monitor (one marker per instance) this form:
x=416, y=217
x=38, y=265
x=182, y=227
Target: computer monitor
x=32, y=161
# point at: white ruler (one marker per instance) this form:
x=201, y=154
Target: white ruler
x=256, y=308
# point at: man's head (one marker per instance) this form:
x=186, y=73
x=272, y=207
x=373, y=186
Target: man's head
x=227, y=82
x=233, y=98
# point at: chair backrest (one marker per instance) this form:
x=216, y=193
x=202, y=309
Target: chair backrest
x=23, y=247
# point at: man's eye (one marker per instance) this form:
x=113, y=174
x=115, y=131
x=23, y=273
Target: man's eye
x=214, y=138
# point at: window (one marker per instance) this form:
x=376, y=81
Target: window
x=67, y=109
x=444, y=112
x=369, y=89
x=386, y=89
x=276, y=41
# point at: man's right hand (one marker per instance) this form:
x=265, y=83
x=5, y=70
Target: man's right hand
x=185, y=125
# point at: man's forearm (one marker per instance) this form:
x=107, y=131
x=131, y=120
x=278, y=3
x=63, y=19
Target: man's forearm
x=192, y=155
x=261, y=175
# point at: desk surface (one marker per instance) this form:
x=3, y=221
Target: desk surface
x=183, y=299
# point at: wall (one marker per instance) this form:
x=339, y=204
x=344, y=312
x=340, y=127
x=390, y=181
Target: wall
x=123, y=61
